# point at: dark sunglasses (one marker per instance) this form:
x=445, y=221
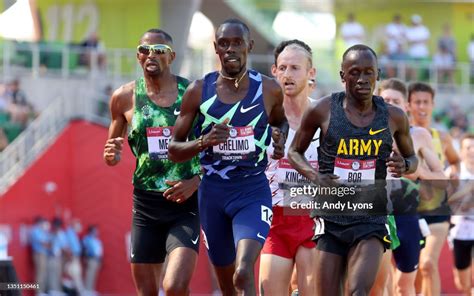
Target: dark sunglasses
x=157, y=48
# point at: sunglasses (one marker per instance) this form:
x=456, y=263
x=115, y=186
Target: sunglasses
x=156, y=48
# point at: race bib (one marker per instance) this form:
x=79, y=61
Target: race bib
x=286, y=174
x=158, y=139
x=239, y=146
x=354, y=171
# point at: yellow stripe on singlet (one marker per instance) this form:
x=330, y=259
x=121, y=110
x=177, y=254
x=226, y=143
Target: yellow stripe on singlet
x=431, y=197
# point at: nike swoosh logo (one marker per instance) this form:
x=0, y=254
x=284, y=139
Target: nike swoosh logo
x=176, y=112
x=371, y=132
x=192, y=213
x=245, y=110
x=385, y=239
x=260, y=236
x=194, y=241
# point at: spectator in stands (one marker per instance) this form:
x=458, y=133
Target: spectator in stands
x=470, y=54
x=3, y=140
x=3, y=97
x=92, y=45
x=395, y=33
x=394, y=49
x=57, y=253
x=73, y=266
x=18, y=107
x=103, y=101
x=93, y=252
x=418, y=37
x=445, y=58
x=40, y=240
x=445, y=63
x=447, y=41
x=352, y=32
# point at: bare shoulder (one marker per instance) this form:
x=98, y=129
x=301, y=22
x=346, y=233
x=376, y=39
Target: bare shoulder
x=396, y=114
x=124, y=93
x=195, y=87
x=321, y=107
x=420, y=134
x=270, y=84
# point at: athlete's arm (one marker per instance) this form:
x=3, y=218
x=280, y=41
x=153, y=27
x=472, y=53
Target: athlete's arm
x=273, y=100
x=451, y=154
x=181, y=190
x=400, y=127
x=313, y=118
x=120, y=102
x=179, y=149
x=431, y=168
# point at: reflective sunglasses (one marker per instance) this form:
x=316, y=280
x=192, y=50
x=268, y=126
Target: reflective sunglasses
x=156, y=48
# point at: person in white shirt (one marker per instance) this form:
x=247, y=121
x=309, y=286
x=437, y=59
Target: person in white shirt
x=462, y=234
x=418, y=37
x=395, y=33
x=352, y=32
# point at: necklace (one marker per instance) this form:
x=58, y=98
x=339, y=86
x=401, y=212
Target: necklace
x=237, y=81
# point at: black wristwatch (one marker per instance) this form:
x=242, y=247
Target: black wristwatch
x=407, y=164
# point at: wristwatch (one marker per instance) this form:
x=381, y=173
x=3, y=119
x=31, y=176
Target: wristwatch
x=407, y=164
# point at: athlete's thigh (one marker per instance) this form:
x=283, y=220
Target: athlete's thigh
x=148, y=242
x=146, y=277
x=216, y=225
x=434, y=242
x=181, y=264
x=330, y=269
x=462, y=252
x=363, y=263
x=305, y=259
x=253, y=220
x=275, y=274
x=407, y=255
x=184, y=232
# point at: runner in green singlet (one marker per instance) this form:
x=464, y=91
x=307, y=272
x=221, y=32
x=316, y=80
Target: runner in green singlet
x=165, y=219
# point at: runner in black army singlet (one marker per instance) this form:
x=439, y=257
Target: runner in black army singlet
x=354, y=154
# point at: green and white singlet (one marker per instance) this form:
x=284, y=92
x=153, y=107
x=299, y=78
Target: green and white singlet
x=149, y=136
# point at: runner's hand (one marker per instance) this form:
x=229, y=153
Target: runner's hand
x=181, y=190
x=395, y=164
x=327, y=180
x=113, y=150
x=218, y=134
x=278, y=143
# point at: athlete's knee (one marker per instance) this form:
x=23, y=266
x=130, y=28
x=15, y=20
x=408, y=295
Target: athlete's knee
x=359, y=288
x=428, y=266
x=242, y=277
x=463, y=283
x=175, y=287
x=404, y=288
x=145, y=290
x=359, y=291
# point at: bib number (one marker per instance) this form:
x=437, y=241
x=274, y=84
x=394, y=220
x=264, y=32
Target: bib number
x=239, y=146
x=354, y=171
x=158, y=139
